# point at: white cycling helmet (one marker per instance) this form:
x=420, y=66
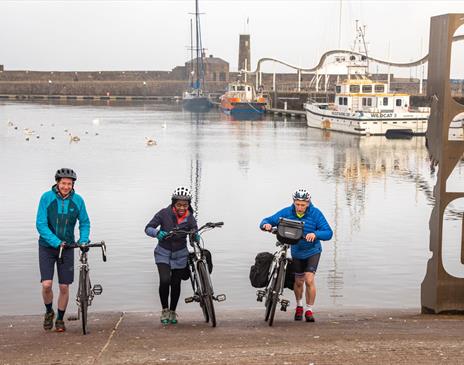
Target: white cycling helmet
x=301, y=194
x=182, y=193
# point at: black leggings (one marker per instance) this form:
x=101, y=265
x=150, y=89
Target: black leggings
x=169, y=278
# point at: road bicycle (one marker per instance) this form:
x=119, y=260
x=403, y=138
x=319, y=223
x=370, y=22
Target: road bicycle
x=200, y=278
x=85, y=291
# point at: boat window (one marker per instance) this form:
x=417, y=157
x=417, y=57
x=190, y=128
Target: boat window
x=379, y=88
x=354, y=88
x=233, y=88
x=398, y=102
x=385, y=101
x=367, y=88
x=240, y=88
x=338, y=89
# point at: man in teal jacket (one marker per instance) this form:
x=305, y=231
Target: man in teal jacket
x=307, y=251
x=59, y=210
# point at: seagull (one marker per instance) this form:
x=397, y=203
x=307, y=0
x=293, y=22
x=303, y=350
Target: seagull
x=150, y=141
x=10, y=123
x=74, y=138
x=28, y=131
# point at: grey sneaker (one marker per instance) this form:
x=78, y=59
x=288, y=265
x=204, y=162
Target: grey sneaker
x=165, y=315
x=59, y=326
x=48, y=320
x=173, y=317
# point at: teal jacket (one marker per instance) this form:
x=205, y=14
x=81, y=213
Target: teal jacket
x=57, y=217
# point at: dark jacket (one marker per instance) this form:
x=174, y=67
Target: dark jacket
x=166, y=220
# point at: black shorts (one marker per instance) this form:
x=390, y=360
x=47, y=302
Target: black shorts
x=306, y=265
x=48, y=257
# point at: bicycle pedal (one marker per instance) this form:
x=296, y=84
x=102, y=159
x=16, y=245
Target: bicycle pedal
x=283, y=308
x=97, y=289
x=284, y=302
x=72, y=318
x=189, y=300
x=220, y=297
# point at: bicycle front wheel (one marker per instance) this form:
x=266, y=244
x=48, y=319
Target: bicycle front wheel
x=275, y=293
x=84, y=287
x=207, y=292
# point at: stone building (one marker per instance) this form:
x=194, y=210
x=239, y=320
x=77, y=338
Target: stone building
x=216, y=69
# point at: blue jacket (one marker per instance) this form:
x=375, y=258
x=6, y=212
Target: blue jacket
x=314, y=222
x=57, y=217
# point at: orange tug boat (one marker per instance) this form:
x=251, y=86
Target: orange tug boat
x=242, y=99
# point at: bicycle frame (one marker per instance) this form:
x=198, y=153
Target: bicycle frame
x=280, y=258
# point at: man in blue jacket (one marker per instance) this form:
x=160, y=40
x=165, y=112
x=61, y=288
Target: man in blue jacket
x=307, y=252
x=59, y=210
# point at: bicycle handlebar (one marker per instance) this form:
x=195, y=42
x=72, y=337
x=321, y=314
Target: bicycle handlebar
x=193, y=231
x=102, y=245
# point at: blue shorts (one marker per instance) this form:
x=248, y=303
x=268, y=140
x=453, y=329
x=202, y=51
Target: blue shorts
x=48, y=257
x=175, y=259
x=306, y=265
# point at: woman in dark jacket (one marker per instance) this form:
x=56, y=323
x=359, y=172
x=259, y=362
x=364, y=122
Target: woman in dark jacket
x=171, y=254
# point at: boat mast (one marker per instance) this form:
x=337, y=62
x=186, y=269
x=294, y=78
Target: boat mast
x=197, y=48
x=191, y=54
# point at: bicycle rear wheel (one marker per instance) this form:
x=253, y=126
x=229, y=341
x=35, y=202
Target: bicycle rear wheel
x=84, y=287
x=275, y=293
x=207, y=292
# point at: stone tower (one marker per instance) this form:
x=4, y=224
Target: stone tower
x=244, y=54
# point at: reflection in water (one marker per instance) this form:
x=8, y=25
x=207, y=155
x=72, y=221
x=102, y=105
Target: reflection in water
x=195, y=163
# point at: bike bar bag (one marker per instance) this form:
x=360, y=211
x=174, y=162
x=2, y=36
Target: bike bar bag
x=289, y=275
x=259, y=272
x=289, y=231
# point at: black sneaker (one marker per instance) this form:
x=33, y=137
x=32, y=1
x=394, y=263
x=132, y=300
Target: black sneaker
x=298, y=313
x=48, y=320
x=59, y=326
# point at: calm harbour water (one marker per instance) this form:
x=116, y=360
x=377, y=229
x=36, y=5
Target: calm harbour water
x=375, y=193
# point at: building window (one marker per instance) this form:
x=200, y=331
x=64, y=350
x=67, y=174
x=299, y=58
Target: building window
x=338, y=89
x=354, y=88
x=367, y=89
x=398, y=102
x=364, y=101
x=222, y=76
x=345, y=101
x=385, y=101
x=214, y=76
x=340, y=101
x=379, y=88
x=369, y=101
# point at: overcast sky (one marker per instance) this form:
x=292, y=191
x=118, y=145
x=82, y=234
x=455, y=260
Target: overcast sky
x=154, y=35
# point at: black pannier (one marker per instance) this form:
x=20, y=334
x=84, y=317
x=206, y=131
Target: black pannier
x=289, y=231
x=289, y=275
x=260, y=270
x=209, y=262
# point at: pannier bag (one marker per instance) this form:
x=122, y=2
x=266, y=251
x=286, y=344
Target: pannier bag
x=260, y=270
x=289, y=275
x=289, y=231
x=209, y=262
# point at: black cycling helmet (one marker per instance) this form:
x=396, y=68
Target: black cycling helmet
x=65, y=172
x=182, y=193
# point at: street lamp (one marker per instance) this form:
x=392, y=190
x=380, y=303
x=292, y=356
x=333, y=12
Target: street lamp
x=49, y=86
x=145, y=89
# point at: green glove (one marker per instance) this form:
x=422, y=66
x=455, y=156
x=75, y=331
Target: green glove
x=161, y=234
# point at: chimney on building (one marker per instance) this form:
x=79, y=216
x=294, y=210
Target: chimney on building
x=244, y=54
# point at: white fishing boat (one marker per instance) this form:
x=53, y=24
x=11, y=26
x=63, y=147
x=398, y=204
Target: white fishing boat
x=366, y=107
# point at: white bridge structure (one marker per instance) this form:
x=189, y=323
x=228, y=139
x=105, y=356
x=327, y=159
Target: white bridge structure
x=348, y=58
